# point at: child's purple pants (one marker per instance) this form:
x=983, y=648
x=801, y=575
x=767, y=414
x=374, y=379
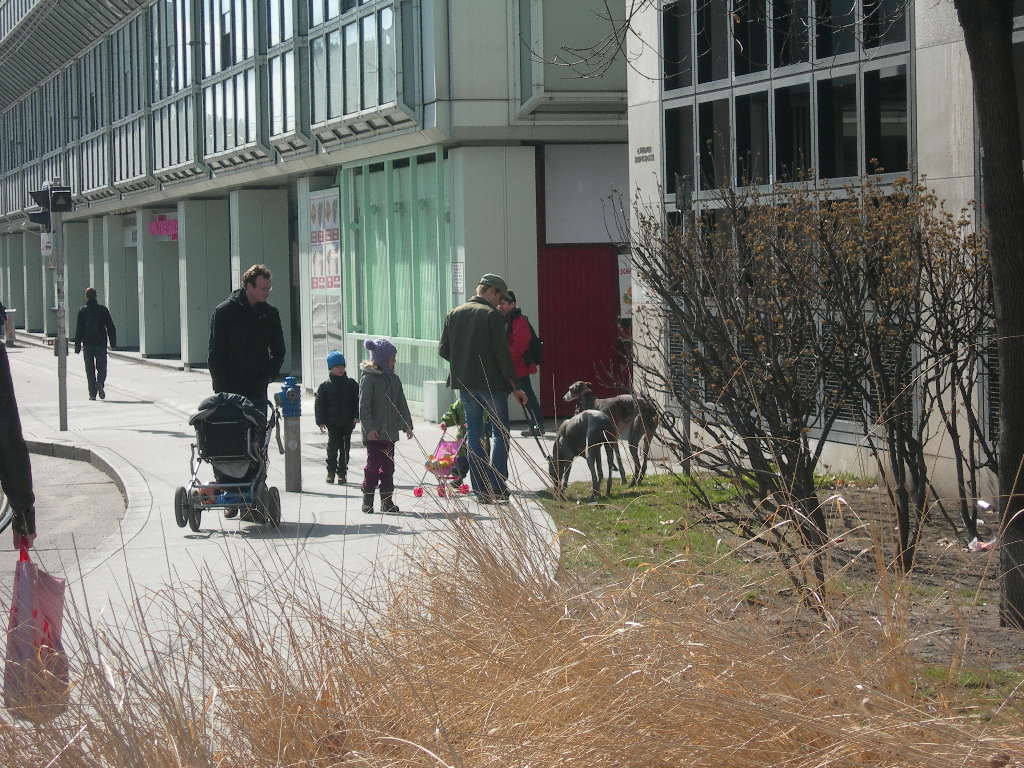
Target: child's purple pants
x=380, y=466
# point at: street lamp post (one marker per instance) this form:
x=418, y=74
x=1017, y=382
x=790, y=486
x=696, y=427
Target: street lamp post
x=54, y=199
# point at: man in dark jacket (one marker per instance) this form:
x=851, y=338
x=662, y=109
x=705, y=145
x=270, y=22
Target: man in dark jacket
x=475, y=343
x=92, y=331
x=15, y=468
x=336, y=411
x=246, y=340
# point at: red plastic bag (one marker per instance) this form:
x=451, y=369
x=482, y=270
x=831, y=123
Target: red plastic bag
x=36, y=668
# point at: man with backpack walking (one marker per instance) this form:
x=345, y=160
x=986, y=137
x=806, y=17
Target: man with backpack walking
x=92, y=332
x=524, y=345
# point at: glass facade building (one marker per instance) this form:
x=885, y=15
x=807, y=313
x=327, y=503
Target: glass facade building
x=759, y=92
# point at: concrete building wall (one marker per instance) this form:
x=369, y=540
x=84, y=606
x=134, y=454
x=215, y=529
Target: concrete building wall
x=259, y=235
x=494, y=222
x=16, y=276
x=33, y=271
x=494, y=228
x=117, y=269
x=204, y=272
x=159, y=308
x=946, y=142
x=76, y=268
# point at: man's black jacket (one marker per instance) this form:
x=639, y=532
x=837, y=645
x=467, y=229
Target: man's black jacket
x=246, y=347
x=15, y=468
x=337, y=402
x=94, y=326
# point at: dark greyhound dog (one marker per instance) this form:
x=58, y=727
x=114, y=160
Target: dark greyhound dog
x=583, y=435
x=633, y=420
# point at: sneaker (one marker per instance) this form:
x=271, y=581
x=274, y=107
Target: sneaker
x=230, y=514
x=103, y=395
x=342, y=478
x=532, y=433
x=92, y=397
x=330, y=478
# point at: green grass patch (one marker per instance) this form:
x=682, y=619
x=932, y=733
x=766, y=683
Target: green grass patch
x=637, y=526
x=975, y=690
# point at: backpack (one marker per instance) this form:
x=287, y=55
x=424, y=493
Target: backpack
x=534, y=354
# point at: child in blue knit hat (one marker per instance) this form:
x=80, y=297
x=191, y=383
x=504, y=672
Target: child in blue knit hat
x=337, y=410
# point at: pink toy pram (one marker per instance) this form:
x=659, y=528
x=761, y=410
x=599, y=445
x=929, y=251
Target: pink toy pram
x=441, y=464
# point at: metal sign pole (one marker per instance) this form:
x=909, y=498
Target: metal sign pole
x=56, y=220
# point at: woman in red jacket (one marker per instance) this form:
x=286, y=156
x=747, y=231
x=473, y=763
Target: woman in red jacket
x=519, y=336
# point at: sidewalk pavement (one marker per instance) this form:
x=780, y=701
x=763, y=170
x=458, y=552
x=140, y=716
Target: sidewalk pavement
x=142, y=430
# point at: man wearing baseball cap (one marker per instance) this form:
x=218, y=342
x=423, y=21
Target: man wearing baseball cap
x=475, y=343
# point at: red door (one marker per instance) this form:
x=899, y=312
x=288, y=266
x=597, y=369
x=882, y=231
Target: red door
x=578, y=291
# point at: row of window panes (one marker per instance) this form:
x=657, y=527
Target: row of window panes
x=170, y=32
x=282, y=93
x=280, y=21
x=745, y=26
x=52, y=94
x=92, y=77
x=229, y=33
x=884, y=121
x=12, y=12
x=325, y=10
x=231, y=112
x=127, y=150
x=354, y=68
x=128, y=50
x=172, y=133
x=94, y=163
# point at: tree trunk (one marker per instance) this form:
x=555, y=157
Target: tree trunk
x=987, y=26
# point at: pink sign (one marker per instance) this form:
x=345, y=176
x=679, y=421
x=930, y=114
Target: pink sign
x=164, y=227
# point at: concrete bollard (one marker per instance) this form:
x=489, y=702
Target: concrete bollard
x=290, y=400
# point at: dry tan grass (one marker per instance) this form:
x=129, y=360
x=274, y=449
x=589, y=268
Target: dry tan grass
x=473, y=655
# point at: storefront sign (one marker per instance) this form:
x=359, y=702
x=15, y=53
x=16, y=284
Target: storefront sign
x=164, y=228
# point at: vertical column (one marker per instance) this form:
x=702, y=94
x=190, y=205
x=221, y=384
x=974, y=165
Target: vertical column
x=16, y=277
x=33, y=271
x=118, y=274
x=76, y=267
x=204, y=272
x=259, y=235
x=95, y=266
x=4, y=276
x=159, y=323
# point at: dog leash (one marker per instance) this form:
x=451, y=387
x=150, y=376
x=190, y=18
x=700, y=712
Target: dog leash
x=535, y=428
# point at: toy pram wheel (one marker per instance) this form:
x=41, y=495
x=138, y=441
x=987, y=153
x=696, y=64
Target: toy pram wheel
x=195, y=514
x=275, y=507
x=181, y=507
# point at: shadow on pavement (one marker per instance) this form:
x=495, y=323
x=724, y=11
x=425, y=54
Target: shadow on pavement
x=302, y=531
x=168, y=432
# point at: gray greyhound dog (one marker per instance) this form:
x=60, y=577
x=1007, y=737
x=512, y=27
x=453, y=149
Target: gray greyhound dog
x=583, y=435
x=633, y=420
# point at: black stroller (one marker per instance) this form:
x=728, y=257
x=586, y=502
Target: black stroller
x=233, y=437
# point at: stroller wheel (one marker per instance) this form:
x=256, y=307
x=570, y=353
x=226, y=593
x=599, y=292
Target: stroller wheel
x=262, y=506
x=195, y=514
x=275, y=508
x=181, y=507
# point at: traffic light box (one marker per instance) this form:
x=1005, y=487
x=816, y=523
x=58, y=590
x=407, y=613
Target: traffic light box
x=50, y=200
